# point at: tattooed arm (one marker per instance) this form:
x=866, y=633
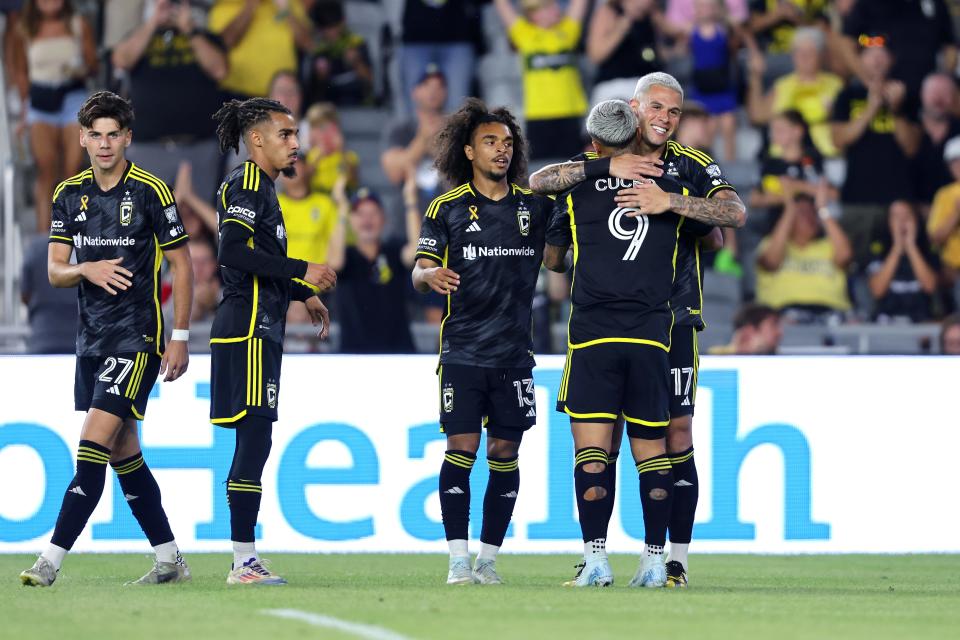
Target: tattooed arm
x=725, y=209
x=557, y=178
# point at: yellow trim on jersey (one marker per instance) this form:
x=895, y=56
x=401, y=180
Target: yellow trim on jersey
x=253, y=312
x=73, y=180
x=230, y=419
x=223, y=196
x=254, y=372
x=565, y=378
x=70, y=240
x=700, y=157
x=157, y=262
x=722, y=187
x=432, y=255
x=699, y=312
x=696, y=364
x=646, y=423
x=158, y=185
x=591, y=155
x=180, y=239
x=576, y=254
x=251, y=176
x=133, y=409
x=591, y=343
x=137, y=365
x=446, y=255
x=584, y=416
x=453, y=194
x=517, y=187
x=241, y=222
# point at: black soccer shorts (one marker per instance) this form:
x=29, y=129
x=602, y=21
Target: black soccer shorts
x=244, y=380
x=502, y=399
x=118, y=383
x=604, y=381
x=684, y=366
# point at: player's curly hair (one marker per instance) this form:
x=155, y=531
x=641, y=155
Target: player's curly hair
x=105, y=104
x=452, y=162
x=237, y=116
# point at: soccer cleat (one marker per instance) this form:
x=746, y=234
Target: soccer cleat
x=485, y=572
x=165, y=573
x=41, y=574
x=256, y=572
x=592, y=574
x=460, y=572
x=676, y=576
x=652, y=573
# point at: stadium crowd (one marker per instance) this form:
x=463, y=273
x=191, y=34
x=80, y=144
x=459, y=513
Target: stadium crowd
x=838, y=122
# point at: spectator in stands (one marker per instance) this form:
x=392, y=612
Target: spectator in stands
x=681, y=15
x=442, y=34
x=262, y=37
x=168, y=58
x=808, y=89
x=757, y=331
x=198, y=214
x=337, y=68
x=943, y=225
x=327, y=159
x=285, y=88
x=206, y=283
x=950, y=335
x=310, y=218
x=904, y=274
x=409, y=142
x=938, y=102
x=774, y=22
x=694, y=129
x=554, y=102
x=872, y=130
x=622, y=42
x=801, y=265
x=372, y=275
x=53, y=55
x=916, y=33
x=51, y=312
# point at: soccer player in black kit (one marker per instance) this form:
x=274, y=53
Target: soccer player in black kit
x=259, y=281
x=709, y=199
x=481, y=245
x=121, y=221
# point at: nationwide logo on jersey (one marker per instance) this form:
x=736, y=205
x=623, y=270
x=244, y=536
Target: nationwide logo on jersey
x=171, y=213
x=471, y=252
x=523, y=220
x=126, y=209
x=81, y=240
x=447, y=397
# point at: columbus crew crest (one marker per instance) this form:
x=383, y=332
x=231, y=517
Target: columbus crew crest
x=126, y=209
x=447, y=398
x=523, y=220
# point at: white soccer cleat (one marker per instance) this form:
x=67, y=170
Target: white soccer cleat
x=652, y=573
x=460, y=572
x=41, y=574
x=596, y=573
x=165, y=573
x=254, y=572
x=485, y=572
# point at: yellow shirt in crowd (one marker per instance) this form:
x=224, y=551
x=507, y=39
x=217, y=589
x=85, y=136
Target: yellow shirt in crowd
x=551, y=76
x=814, y=101
x=808, y=276
x=310, y=223
x=326, y=169
x=266, y=48
x=944, y=203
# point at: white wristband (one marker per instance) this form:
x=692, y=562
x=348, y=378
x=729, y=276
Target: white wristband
x=180, y=334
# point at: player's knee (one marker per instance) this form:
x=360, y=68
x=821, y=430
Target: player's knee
x=469, y=442
x=500, y=448
x=680, y=434
x=595, y=493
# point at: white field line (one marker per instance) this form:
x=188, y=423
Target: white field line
x=369, y=632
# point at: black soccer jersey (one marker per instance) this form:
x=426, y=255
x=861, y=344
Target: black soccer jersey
x=136, y=220
x=696, y=172
x=252, y=306
x=496, y=248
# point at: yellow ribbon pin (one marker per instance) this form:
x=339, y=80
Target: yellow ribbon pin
x=83, y=202
x=473, y=212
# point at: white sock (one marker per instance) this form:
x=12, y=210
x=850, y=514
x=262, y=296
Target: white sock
x=678, y=552
x=458, y=548
x=488, y=552
x=650, y=550
x=167, y=552
x=243, y=552
x=55, y=555
x=595, y=550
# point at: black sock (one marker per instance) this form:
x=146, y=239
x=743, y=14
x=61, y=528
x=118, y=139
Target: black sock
x=656, y=497
x=611, y=487
x=244, y=489
x=142, y=493
x=500, y=498
x=685, y=495
x=593, y=513
x=455, y=493
x=83, y=494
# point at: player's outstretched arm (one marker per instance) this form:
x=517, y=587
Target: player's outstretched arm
x=106, y=274
x=557, y=178
x=428, y=275
x=724, y=209
x=176, y=357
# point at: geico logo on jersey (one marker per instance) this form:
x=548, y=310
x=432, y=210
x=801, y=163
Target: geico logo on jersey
x=87, y=241
x=471, y=252
x=241, y=211
x=609, y=184
x=56, y=224
x=428, y=242
x=615, y=223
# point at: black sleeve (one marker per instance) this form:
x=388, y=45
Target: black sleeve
x=433, y=234
x=695, y=228
x=707, y=177
x=301, y=292
x=558, y=231
x=235, y=253
x=165, y=218
x=60, y=225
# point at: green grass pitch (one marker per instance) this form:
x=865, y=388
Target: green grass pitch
x=743, y=597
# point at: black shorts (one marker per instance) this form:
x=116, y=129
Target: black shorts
x=603, y=381
x=118, y=383
x=244, y=380
x=502, y=399
x=684, y=366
